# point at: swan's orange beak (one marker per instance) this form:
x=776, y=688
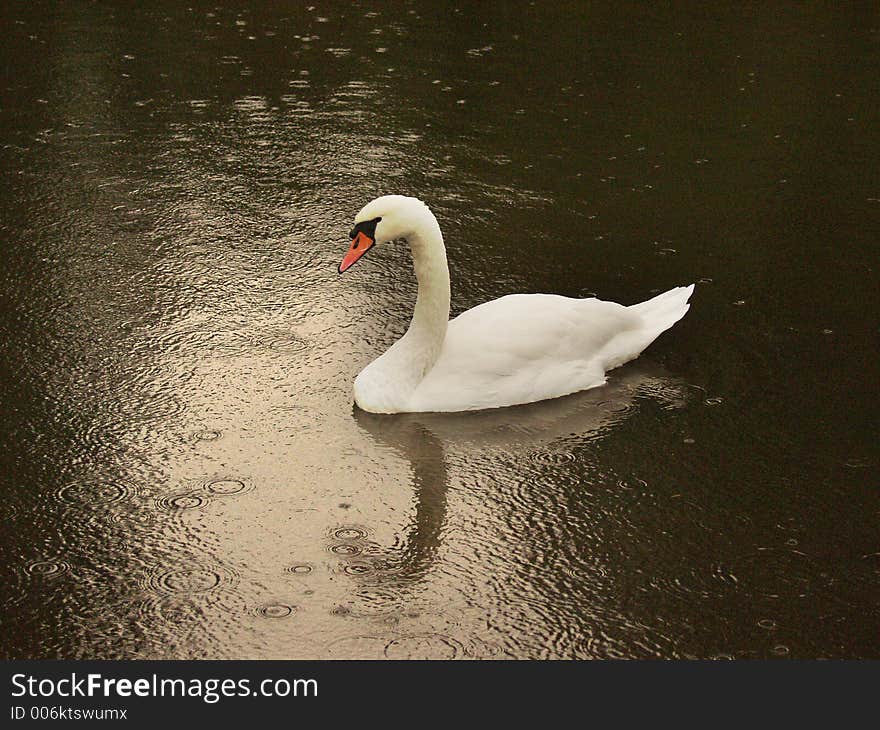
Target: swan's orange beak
x=360, y=244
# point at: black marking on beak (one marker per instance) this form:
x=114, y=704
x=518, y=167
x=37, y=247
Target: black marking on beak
x=367, y=227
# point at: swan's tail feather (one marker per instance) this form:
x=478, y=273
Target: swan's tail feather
x=657, y=315
x=664, y=310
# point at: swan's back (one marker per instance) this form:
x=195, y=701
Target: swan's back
x=524, y=348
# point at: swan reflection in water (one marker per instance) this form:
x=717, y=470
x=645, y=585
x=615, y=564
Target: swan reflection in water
x=431, y=442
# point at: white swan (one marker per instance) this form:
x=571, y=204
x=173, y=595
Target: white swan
x=517, y=349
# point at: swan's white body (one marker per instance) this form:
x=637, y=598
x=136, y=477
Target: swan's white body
x=517, y=349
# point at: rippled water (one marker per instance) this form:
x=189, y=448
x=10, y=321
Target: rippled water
x=183, y=472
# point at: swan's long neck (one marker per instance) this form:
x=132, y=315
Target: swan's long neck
x=431, y=316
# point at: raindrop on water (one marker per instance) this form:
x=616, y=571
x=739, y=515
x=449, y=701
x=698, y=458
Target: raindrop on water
x=191, y=580
x=345, y=549
x=227, y=487
x=181, y=502
x=274, y=610
x=358, y=568
x=47, y=568
x=95, y=493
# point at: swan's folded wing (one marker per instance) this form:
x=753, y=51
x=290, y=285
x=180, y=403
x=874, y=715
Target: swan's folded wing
x=520, y=349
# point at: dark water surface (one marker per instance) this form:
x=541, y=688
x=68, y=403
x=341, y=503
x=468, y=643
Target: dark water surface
x=183, y=472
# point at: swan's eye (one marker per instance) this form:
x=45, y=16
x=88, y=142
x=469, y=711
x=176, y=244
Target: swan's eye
x=368, y=227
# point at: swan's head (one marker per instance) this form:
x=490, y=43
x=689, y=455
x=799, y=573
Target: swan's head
x=384, y=219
